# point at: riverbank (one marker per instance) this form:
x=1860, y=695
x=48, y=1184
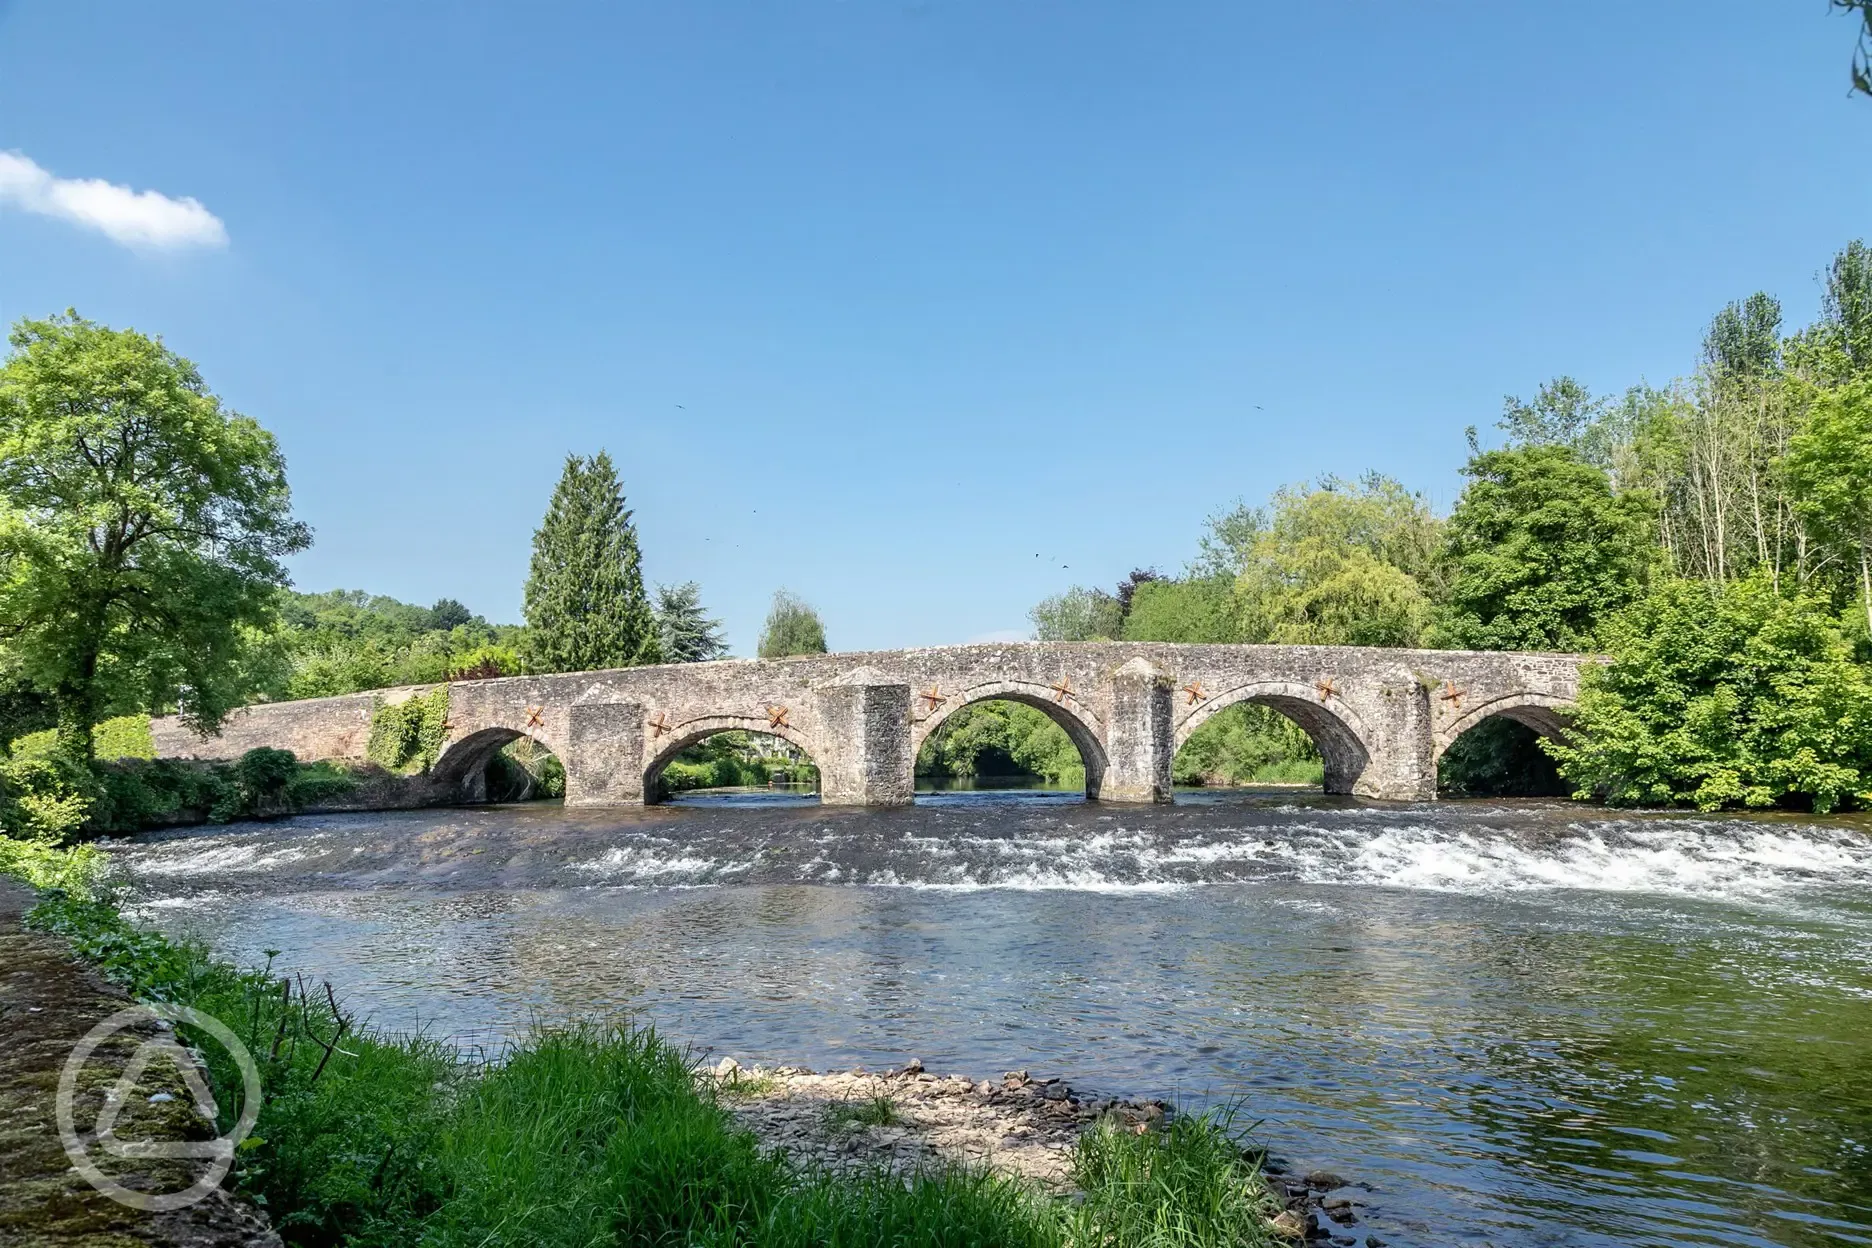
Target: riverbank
x=577, y=1135
x=908, y=1120
x=48, y=1000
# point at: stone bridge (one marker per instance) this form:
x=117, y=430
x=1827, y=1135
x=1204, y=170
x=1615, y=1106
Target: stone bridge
x=1381, y=718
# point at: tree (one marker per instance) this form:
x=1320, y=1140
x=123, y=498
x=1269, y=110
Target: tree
x=1198, y=609
x=1846, y=307
x=1829, y=467
x=449, y=614
x=585, y=603
x=1862, y=55
x=1078, y=615
x=792, y=628
x=1540, y=550
x=142, y=526
x=1342, y=563
x=1719, y=696
x=687, y=633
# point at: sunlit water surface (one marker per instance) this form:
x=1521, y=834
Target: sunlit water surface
x=1519, y=1023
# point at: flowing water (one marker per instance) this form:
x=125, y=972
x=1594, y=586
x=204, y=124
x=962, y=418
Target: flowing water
x=1518, y=1023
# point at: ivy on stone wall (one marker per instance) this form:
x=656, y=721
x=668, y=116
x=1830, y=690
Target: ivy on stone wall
x=407, y=736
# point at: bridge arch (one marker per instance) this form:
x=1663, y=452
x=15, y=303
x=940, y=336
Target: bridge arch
x=462, y=764
x=1545, y=713
x=1343, y=740
x=1062, y=706
x=694, y=731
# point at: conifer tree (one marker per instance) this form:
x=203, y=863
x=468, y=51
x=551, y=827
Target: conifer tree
x=585, y=602
x=687, y=632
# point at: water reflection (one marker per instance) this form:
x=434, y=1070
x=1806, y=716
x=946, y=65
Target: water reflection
x=1521, y=1026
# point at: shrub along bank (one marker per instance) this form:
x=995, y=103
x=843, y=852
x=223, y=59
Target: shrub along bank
x=597, y=1135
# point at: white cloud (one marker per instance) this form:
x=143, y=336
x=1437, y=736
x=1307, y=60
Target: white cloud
x=133, y=218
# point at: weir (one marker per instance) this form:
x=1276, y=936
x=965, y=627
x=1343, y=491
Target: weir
x=1381, y=718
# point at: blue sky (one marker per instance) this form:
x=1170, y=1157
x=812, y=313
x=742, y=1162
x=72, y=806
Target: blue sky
x=923, y=310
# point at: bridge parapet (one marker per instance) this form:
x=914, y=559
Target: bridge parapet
x=1381, y=718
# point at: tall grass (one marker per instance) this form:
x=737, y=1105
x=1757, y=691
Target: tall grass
x=591, y=1135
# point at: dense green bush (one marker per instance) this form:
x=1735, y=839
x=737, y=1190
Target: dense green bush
x=1724, y=695
x=407, y=736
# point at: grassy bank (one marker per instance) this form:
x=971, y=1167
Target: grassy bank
x=601, y=1134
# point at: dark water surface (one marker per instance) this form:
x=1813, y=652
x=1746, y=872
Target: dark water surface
x=1520, y=1023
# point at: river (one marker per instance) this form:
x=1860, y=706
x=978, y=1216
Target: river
x=1520, y=1023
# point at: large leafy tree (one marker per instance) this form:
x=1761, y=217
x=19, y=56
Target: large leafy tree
x=688, y=633
x=1340, y=563
x=141, y=528
x=1829, y=466
x=1540, y=550
x=793, y=627
x=585, y=602
x=1719, y=696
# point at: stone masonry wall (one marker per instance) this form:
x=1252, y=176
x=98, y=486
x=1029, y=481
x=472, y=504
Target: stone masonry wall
x=1380, y=717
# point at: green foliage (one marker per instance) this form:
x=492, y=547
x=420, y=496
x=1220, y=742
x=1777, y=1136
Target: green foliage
x=407, y=736
x=45, y=796
x=1829, y=466
x=1001, y=738
x=730, y=760
x=125, y=736
x=591, y=1134
x=347, y=641
x=1723, y=696
x=1187, y=1185
x=585, y=602
x=74, y=870
x=1248, y=744
x=524, y=770
x=1862, y=55
x=1540, y=550
x=1342, y=563
x=1078, y=615
x=687, y=632
x=1498, y=757
x=792, y=627
x=141, y=528
x=1200, y=609
x=875, y=1111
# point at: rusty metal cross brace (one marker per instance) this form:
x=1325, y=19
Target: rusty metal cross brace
x=1452, y=694
x=534, y=714
x=1326, y=688
x=932, y=695
x=1061, y=689
x=1195, y=691
x=658, y=726
x=776, y=717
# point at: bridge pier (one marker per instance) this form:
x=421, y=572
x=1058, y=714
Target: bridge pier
x=604, y=755
x=865, y=757
x=1142, y=735
x=1402, y=766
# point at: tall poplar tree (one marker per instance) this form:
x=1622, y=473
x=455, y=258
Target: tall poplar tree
x=585, y=603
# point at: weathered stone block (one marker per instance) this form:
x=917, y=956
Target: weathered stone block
x=605, y=748
x=1143, y=735
x=864, y=756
